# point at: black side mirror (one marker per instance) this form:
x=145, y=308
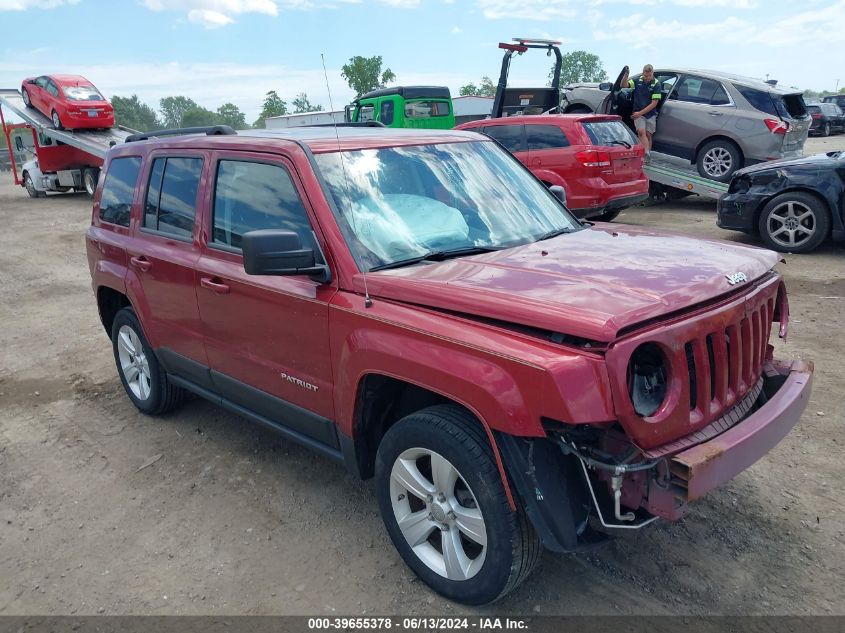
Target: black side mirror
x=605, y=85
x=19, y=143
x=275, y=252
x=559, y=193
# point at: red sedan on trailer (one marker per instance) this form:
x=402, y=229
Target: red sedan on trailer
x=71, y=101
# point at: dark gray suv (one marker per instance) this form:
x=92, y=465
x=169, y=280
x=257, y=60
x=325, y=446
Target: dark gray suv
x=719, y=122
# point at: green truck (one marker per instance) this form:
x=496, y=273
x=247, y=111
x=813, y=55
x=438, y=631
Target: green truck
x=422, y=107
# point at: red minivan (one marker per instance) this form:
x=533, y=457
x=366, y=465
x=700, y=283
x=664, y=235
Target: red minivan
x=595, y=158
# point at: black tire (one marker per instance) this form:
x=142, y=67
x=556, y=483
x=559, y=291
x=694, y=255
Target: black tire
x=29, y=185
x=89, y=180
x=512, y=546
x=63, y=189
x=826, y=129
x=807, y=213
x=57, y=122
x=162, y=396
x=579, y=109
x=607, y=216
x=718, y=160
x=26, y=100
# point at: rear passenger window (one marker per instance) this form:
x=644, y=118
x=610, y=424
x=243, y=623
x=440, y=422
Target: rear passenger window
x=508, y=135
x=545, y=137
x=119, y=189
x=172, y=195
x=251, y=196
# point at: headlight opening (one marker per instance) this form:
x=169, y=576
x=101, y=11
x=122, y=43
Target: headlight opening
x=648, y=379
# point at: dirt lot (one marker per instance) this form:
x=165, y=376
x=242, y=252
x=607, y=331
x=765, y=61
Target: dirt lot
x=233, y=520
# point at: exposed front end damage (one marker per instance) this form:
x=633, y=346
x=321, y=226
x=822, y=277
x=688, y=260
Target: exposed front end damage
x=718, y=403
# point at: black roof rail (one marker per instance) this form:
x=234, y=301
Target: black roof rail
x=208, y=130
x=348, y=124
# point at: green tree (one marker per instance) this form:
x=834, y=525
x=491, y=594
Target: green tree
x=579, y=66
x=173, y=110
x=364, y=74
x=131, y=113
x=485, y=89
x=302, y=104
x=229, y=114
x=273, y=105
x=199, y=117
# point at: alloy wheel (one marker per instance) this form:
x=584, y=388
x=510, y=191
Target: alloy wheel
x=438, y=514
x=134, y=363
x=717, y=162
x=791, y=224
x=56, y=121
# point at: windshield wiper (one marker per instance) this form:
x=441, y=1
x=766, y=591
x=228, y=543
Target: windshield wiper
x=550, y=234
x=436, y=256
x=620, y=142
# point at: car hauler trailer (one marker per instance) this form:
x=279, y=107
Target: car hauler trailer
x=668, y=175
x=61, y=160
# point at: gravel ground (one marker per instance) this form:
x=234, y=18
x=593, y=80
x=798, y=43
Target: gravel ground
x=229, y=519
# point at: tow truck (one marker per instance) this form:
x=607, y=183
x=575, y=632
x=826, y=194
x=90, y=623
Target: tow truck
x=60, y=160
x=668, y=177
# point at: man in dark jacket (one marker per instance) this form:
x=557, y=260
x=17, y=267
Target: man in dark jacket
x=646, y=97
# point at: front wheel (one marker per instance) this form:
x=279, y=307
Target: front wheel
x=445, y=509
x=146, y=383
x=794, y=222
x=718, y=160
x=30, y=188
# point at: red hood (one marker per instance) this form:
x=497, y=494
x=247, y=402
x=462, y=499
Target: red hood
x=589, y=284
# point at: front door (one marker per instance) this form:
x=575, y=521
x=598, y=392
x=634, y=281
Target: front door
x=267, y=336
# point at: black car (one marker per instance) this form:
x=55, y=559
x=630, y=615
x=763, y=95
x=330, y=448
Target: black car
x=837, y=99
x=827, y=118
x=793, y=205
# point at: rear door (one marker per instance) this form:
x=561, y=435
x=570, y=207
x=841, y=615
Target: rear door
x=695, y=109
x=266, y=336
x=36, y=92
x=548, y=149
x=163, y=259
x=623, y=148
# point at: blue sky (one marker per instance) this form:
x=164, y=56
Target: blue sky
x=216, y=51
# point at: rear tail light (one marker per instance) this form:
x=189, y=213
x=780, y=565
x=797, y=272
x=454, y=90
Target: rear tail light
x=816, y=116
x=776, y=126
x=593, y=158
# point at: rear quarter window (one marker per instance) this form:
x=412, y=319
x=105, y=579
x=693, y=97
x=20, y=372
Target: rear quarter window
x=539, y=137
x=119, y=189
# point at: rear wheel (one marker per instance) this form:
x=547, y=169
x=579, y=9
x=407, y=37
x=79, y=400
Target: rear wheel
x=826, y=129
x=445, y=509
x=25, y=96
x=718, y=160
x=794, y=222
x=607, y=216
x=57, y=122
x=146, y=383
x=89, y=180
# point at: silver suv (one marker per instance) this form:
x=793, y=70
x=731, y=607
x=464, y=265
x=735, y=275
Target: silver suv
x=719, y=122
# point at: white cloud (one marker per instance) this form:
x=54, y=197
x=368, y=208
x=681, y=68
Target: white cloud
x=23, y=5
x=209, y=19
x=401, y=4
x=456, y=29
x=542, y=10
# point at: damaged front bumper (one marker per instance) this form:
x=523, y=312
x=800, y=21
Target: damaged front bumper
x=758, y=426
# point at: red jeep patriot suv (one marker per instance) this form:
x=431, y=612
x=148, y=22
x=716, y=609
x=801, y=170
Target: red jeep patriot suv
x=418, y=306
